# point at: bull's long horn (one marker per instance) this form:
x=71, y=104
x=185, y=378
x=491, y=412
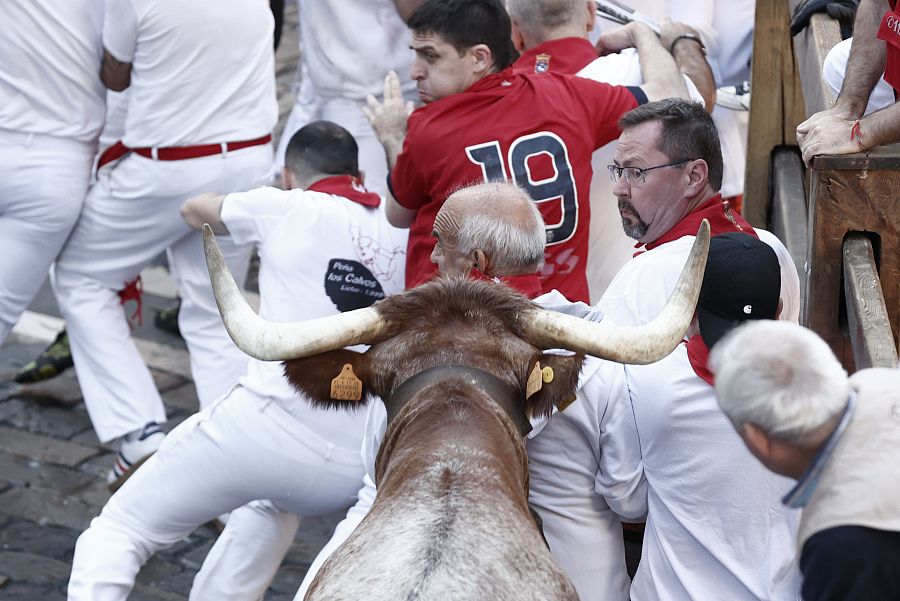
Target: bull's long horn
x=638, y=345
x=273, y=341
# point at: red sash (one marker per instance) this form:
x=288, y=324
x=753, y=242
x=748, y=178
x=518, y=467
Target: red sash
x=347, y=186
x=890, y=33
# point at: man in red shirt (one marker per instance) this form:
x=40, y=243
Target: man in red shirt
x=484, y=122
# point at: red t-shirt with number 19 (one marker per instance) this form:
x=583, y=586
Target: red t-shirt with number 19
x=538, y=130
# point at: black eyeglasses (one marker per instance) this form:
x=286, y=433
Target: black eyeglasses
x=635, y=175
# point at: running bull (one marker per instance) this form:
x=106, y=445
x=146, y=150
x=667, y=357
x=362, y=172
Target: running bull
x=459, y=367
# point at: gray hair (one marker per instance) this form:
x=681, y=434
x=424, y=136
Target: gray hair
x=512, y=248
x=538, y=18
x=779, y=376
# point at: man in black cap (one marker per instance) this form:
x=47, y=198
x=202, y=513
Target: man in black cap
x=715, y=526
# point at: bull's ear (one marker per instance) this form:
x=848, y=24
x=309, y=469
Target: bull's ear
x=562, y=372
x=338, y=378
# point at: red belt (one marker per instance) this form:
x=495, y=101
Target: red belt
x=178, y=153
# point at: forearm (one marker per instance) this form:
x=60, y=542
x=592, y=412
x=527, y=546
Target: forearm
x=880, y=127
x=658, y=68
x=205, y=208
x=692, y=62
x=867, y=54
x=392, y=147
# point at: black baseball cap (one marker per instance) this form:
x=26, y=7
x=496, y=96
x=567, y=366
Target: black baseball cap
x=742, y=282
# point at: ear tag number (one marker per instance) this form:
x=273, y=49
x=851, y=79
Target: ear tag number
x=346, y=387
x=535, y=381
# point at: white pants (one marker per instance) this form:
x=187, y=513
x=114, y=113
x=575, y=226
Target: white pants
x=239, y=449
x=43, y=180
x=131, y=214
x=836, y=66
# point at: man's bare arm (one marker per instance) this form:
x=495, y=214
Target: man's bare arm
x=205, y=208
x=405, y=8
x=687, y=49
x=114, y=74
x=867, y=55
x=661, y=75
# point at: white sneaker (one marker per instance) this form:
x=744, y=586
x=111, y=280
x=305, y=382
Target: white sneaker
x=135, y=448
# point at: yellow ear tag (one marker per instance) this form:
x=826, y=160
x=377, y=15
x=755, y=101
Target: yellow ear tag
x=547, y=374
x=534, y=382
x=346, y=387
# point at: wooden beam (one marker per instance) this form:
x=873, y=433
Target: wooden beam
x=775, y=104
x=789, y=217
x=867, y=316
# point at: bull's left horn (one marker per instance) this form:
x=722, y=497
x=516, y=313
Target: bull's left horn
x=274, y=341
x=637, y=345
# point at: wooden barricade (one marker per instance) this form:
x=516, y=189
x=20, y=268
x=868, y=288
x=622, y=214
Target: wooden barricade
x=844, y=234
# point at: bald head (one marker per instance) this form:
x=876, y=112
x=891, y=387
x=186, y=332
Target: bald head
x=493, y=227
x=538, y=21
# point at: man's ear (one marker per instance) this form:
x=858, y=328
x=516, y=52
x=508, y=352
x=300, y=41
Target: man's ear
x=482, y=57
x=591, y=7
x=698, y=176
x=518, y=39
x=757, y=441
x=480, y=261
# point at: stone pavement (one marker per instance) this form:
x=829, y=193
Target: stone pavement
x=53, y=468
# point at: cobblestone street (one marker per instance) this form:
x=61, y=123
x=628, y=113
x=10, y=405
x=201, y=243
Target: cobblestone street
x=53, y=468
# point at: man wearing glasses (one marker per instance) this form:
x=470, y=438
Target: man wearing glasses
x=667, y=171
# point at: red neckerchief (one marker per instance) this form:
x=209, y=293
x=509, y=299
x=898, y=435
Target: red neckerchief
x=565, y=55
x=698, y=355
x=529, y=285
x=347, y=186
x=722, y=220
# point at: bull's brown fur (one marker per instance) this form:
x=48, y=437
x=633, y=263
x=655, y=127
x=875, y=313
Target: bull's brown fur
x=451, y=519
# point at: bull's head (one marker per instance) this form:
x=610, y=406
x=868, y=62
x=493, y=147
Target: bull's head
x=426, y=333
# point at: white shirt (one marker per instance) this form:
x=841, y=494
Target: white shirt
x=200, y=73
x=50, y=55
x=335, y=242
x=716, y=527
x=643, y=286
x=350, y=45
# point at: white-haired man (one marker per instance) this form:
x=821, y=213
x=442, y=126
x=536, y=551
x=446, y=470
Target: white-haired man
x=798, y=413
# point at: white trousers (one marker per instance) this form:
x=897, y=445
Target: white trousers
x=239, y=449
x=130, y=215
x=43, y=180
x=833, y=72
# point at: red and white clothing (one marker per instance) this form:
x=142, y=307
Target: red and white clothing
x=538, y=130
x=131, y=214
x=51, y=112
x=262, y=440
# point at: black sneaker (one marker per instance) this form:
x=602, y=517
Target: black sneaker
x=53, y=360
x=167, y=320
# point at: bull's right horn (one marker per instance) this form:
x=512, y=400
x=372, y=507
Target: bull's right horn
x=640, y=344
x=274, y=341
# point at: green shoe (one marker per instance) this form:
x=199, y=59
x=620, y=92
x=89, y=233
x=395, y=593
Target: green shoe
x=53, y=360
x=167, y=320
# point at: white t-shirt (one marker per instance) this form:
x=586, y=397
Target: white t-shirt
x=320, y=254
x=50, y=55
x=201, y=72
x=643, y=286
x=716, y=528
x=350, y=45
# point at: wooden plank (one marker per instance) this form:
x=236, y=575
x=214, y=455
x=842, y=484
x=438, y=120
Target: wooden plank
x=867, y=316
x=840, y=202
x=789, y=217
x=810, y=48
x=771, y=44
